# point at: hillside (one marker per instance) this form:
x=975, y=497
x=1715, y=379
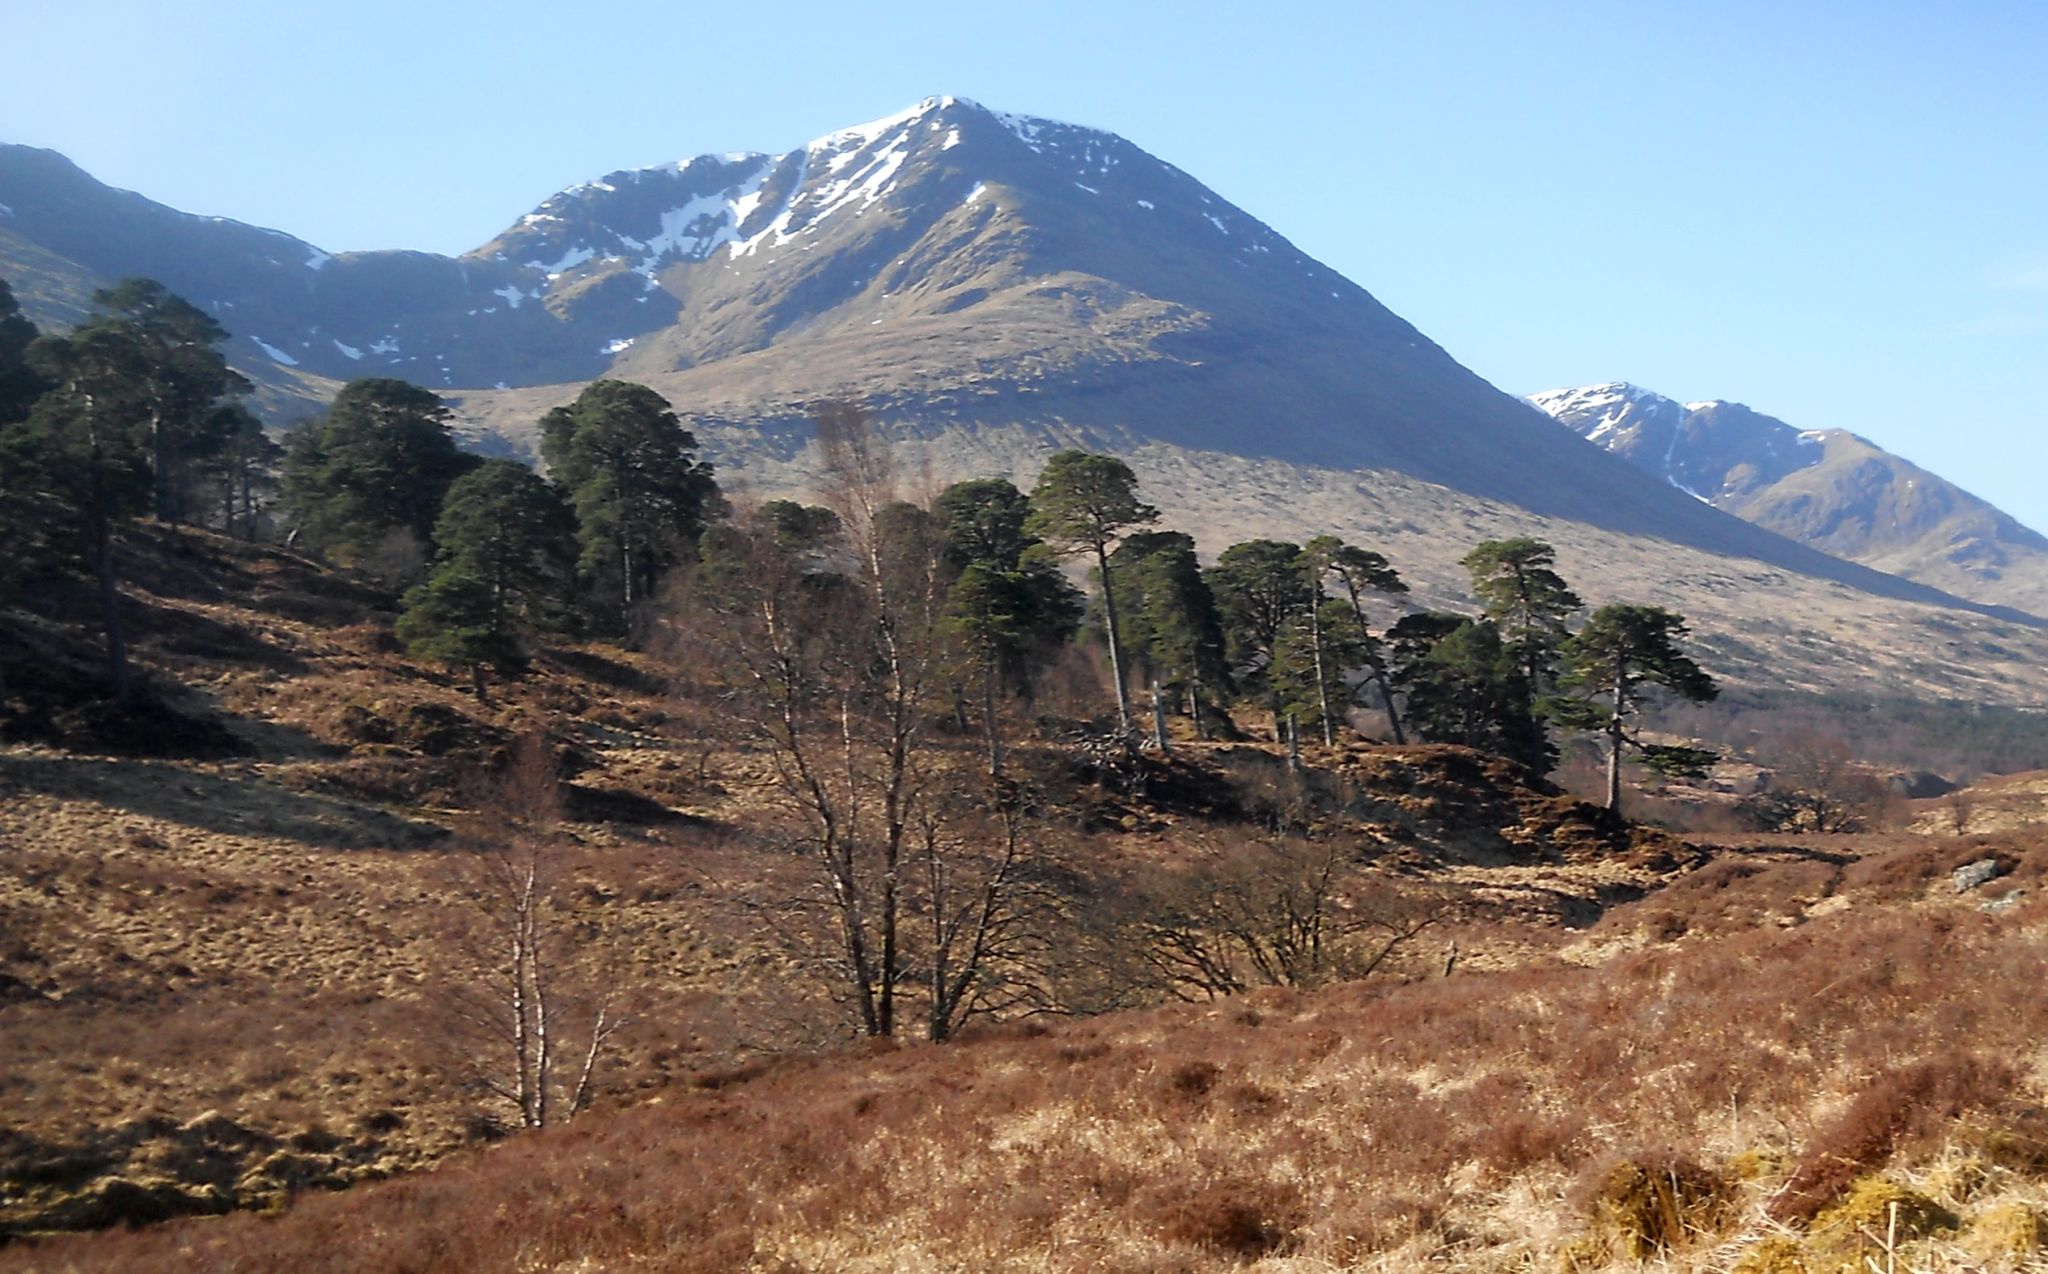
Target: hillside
x=249, y=906
x=960, y=270
x=1827, y=488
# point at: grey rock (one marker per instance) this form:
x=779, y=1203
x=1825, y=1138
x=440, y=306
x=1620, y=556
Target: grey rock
x=1971, y=875
x=2005, y=902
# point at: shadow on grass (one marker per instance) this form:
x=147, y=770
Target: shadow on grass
x=227, y=802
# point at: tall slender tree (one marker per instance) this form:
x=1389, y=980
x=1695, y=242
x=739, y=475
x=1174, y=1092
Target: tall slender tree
x=1084, y=503
x=1622, y=653
x=1520, y=590
x=1172, y=625
x=1008, y=602
x=181, y=379
x=78, y=463
x=20, y=382
x=1363, y=571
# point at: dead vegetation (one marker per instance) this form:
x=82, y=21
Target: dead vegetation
x=223, y=986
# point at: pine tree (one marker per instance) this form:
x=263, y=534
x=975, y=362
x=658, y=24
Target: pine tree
x=1523, y=595
x=1084, y=503
x=1009, y=602
x=240, y=477
x=641, y=496
x=456, y=618
x=504, y=572
x=78, y=465
x=1362, y=571
x=1172, y=626
x=20, y=383
x=378, y=466
x=1609, y=665
x=181, y=381
x=1262, y=591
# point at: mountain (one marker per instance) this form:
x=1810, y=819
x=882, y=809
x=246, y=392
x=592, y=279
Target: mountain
x=1831, y=489
x=993, y=287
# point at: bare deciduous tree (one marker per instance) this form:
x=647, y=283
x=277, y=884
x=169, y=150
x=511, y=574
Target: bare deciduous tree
x=1818, y=786
x=1282, y=912
x=531, y=1010
x=828, y=655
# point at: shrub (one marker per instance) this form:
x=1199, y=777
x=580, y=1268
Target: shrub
x=1645, y=1206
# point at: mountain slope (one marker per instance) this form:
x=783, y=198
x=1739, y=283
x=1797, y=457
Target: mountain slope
x=994, y=287
x=1830, y=489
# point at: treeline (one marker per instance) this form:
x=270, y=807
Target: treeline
x=136, y=413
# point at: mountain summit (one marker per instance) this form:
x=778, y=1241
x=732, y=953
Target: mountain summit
x=1009, y=283
x=1828, y=488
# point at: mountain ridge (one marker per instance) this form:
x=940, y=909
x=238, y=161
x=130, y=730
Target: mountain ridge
x=1829, y=488
x=1008, y=282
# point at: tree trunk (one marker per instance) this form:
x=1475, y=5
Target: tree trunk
x=1379, y=669
x=988, y=722
x=1315, y=631
x=1379, y=677
x=1159, y=738
x=1116, y=659
x=1615, y=737
x=110, y=610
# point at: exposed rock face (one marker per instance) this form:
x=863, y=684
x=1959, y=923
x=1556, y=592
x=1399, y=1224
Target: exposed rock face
x=1827, y=488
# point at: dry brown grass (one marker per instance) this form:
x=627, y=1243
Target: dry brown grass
x=1442, y=1122
x=260, y=938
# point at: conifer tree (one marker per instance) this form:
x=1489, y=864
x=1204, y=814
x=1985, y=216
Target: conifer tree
x=641, y=496
x=455, y=618
x=1084, y=503
x=1361, y=571
x=1009, y=602
x=240, y=477
x=1609, y=665
x=1461, y=685
x=506, y=546
x=20, y=383
x=379, y=464
x=180, y=381
x=1262, y=592
x=1521, y=592
x=1172, y=625
x=78, y=467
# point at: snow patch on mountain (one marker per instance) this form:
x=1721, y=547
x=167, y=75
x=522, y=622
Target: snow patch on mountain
x=275, y=354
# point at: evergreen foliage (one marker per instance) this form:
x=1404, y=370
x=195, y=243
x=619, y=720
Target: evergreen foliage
x=378, y=466
x=641, y=496
x=178, y=382
x=1009, y=599
x=1083, y=503
x=1262, y=592
x=457, y=618
x=76, y=468
x=20, y=383
x=1609, y=665
x=1361, y=571
x=1172, y=625
x=1462, y=684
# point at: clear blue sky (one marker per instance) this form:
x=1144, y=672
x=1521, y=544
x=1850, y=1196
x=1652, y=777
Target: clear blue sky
x=1834, y=212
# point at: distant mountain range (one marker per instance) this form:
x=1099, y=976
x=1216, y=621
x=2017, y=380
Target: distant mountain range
x=1828, y=488
x=993, y=287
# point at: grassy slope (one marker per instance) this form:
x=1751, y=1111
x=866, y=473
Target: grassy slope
x=222, y=976
x=1827, y=1016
